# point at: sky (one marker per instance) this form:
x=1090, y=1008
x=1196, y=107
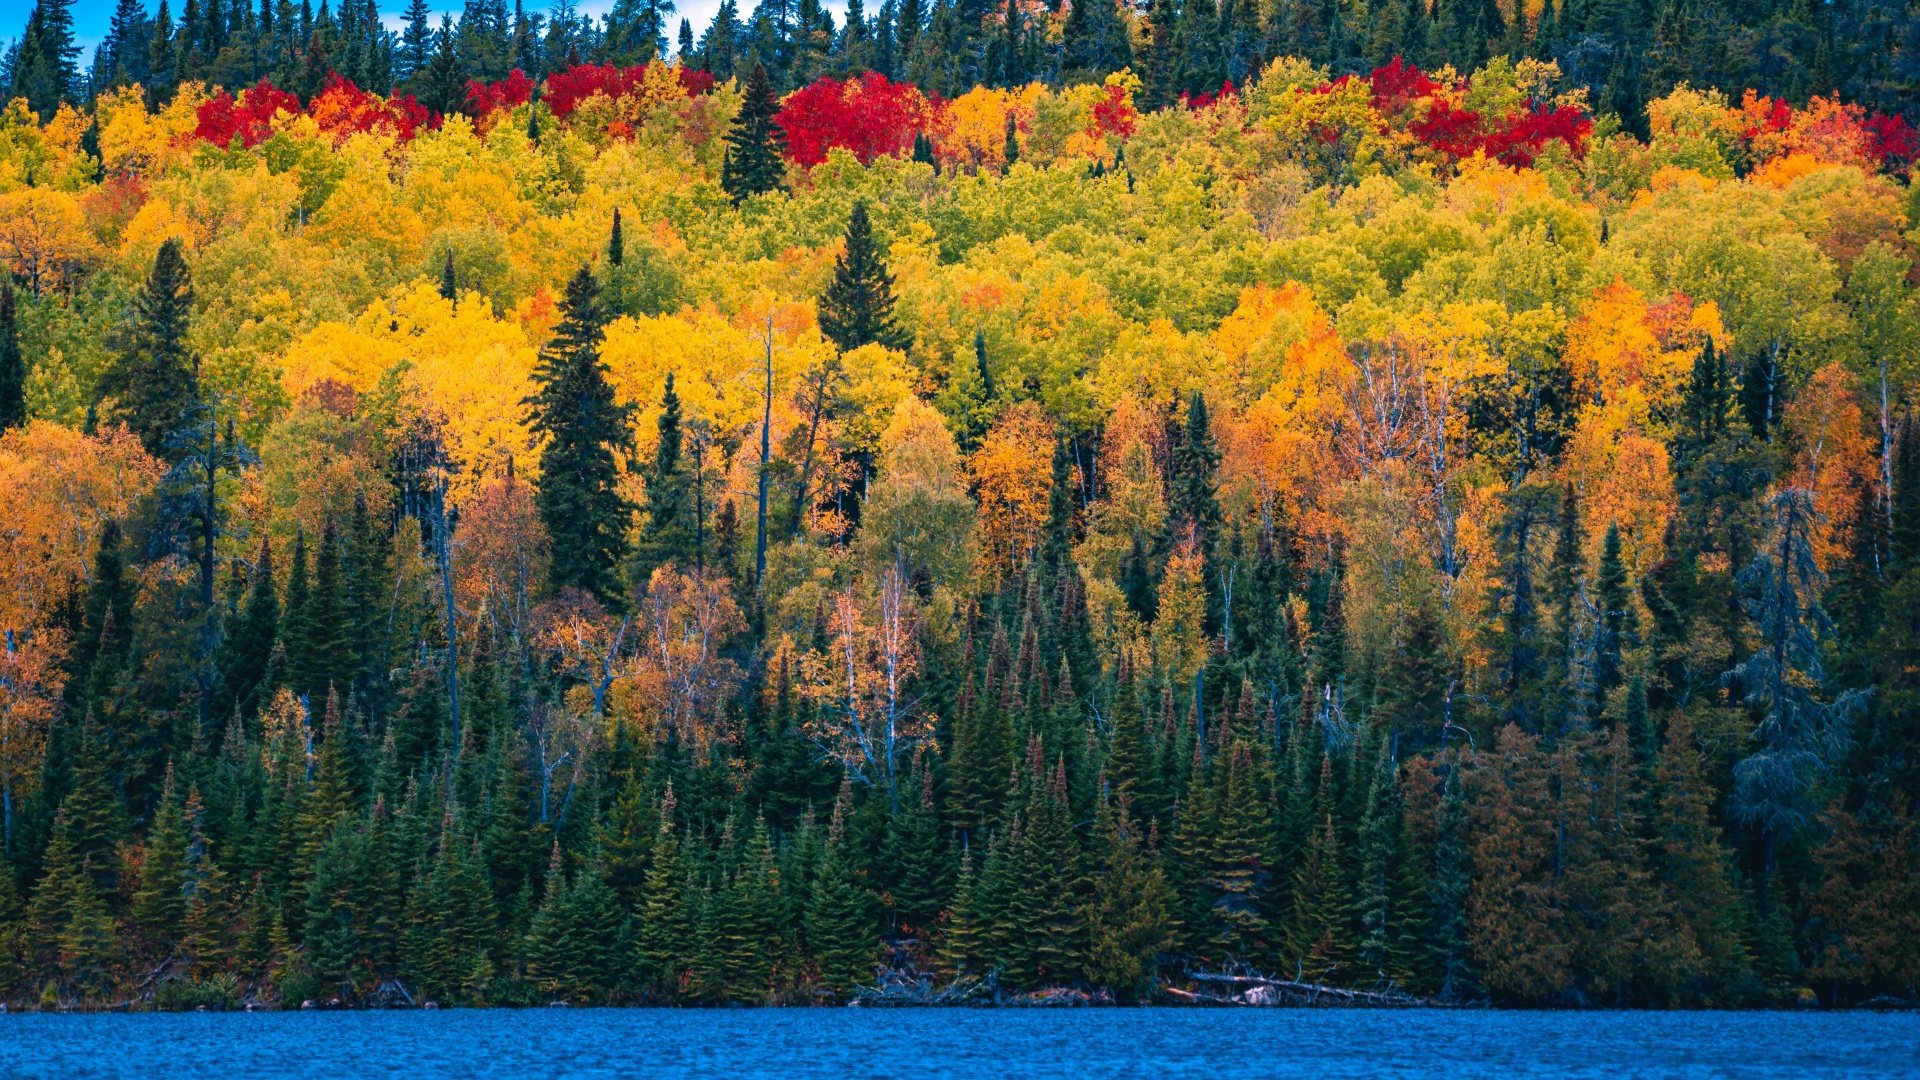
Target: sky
x=90, y=16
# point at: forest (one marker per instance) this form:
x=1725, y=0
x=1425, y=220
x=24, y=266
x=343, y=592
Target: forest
x=1043, y=503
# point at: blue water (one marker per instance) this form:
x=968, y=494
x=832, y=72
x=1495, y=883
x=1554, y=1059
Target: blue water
x=1081, y=1044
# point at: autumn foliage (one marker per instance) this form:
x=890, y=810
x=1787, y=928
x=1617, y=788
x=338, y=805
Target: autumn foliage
x=870, y=116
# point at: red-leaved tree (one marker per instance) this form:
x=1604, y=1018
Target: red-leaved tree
x=870, y=116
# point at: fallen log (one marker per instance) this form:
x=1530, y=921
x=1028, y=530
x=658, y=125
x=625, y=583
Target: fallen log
x=1266, y=990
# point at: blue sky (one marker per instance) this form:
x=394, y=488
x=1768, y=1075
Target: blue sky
x=90, y=16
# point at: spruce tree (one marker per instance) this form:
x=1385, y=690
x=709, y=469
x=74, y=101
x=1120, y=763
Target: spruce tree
x=1193, y=507
x=160, y=899
x=70, y=926
x=670, y=528
x=665, y=930
x=755, y=143
x=13, y=364
x=857, y=308
x=1319, y=943
x=1451, y=974
x=1130, y=913
x=586, y=437
x=152, y=384
x=44, y=66
x=247, y=652
x=839, y=928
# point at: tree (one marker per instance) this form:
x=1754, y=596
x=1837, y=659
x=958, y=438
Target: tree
x=839, y=929
x=918, y=516
x=1130, y=914
x=670, y=533
x=153, y=382
x=857, y=308
x=1798, y=732
x=160, y=900
x=586, y=436
x=44, y=70
x=31, y=681
x=71, y=927
x=755, y=143
x=1318, y=941
x=13, y=364
x=121, y=58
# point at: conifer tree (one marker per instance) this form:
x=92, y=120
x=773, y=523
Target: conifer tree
x=755, y=144
x=839, y=929
x=921, y=866
x=1130, y=912
x=665, y=926
x=44, y=66
x=160, y=900
x=71, y=926
x=1798, y=733
x=1615, y=616
x=1385, y=899
x=1319, y=941
x=245, y=678
x=586, y=437
x=857, y=308
x=13, y=364
x=1451, y=973
x=670, y=529
x=152, y=383
x=750, y=938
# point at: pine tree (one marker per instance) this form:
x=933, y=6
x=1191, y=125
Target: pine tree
x=1451, y=972
x=13, y=364
x=921, y=866
x=1615, y=616
x=121, y=59
x=751, y=937
x=586, y=436
x=755, y=143
x=153, y=383
x=1798, y=733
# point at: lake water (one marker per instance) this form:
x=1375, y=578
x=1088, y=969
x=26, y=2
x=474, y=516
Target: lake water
x=796, y=1044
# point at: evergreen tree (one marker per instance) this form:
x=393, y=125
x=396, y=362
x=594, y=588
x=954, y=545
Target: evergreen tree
x=586, y=433
x=1798, y=733
x=1319, y=941
x=857, y=308
x=153, y=381
x=13, y=364
x=44, y=64
x=669, y=534
x=160, y=900
x=1130, y=914
x=665, y=928
x=71, y=927
x=121, y=58
x=839, y=930
x=753, y=164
